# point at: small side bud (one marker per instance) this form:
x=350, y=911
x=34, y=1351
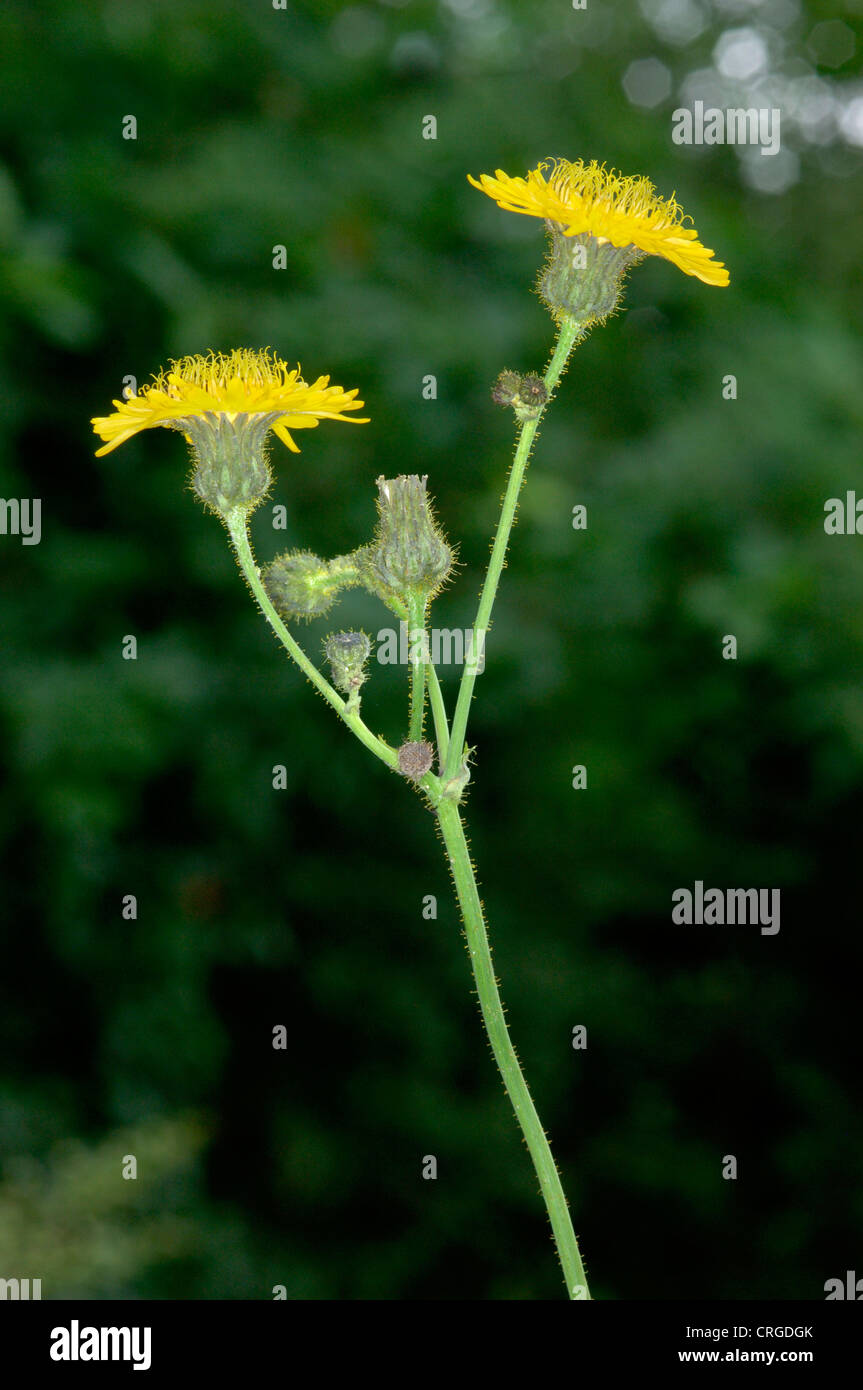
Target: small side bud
x=506, y=388
x=302, y=585
x=526, y=394
x=531, y=398
x=415, y=760
x=347, y=653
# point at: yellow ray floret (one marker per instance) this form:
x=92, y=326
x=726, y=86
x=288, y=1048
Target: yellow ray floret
x=589, y=198
x=240, y=383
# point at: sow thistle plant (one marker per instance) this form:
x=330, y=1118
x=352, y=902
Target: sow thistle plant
x=599, y=224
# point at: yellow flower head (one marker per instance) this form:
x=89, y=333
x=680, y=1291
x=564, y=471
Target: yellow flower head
x=590, y=199
x=236, y=386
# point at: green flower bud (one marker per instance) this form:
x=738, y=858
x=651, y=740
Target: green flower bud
x=409, y=555
x=302, y=585
x=347, y=653
x=231, y=468
x=531, y=398
x=583, y=276
x=526, y=394
x=506, y=388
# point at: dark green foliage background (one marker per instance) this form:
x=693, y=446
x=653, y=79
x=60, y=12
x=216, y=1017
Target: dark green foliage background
x=259, y=127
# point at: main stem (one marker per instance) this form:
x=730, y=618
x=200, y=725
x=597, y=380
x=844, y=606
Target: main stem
x=569, y=332
x=491, y=1005
x=452, y=830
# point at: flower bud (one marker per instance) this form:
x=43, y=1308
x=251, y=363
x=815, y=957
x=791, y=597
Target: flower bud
x=302, y=585
x=415, y=759
x=583, y=276
x=347, y=653
x=231, y=469
x=409, y=555
x=526, y=394
x=531, y=398
x=506, y=388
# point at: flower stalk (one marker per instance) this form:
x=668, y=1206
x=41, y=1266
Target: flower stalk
x=569, y=333
x=238, y=530
x=418, y=657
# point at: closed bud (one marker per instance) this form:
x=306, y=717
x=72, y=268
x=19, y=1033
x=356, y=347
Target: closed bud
x=506, y=388
x=526, y=394
x=531, y=398
x=415, y=759
x=302, y=585
x=409, y=555
x=347, y=653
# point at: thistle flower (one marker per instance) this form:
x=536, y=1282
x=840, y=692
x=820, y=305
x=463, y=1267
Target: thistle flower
x=243, y=382
x=226, y=404
x=600, y=224
x=588, y=198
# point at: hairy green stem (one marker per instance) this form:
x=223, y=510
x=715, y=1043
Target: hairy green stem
x=417, y=657
x=443, y=796
x=491, y=1005
x=438, y=708
x=238, y=529
x=569, y=332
